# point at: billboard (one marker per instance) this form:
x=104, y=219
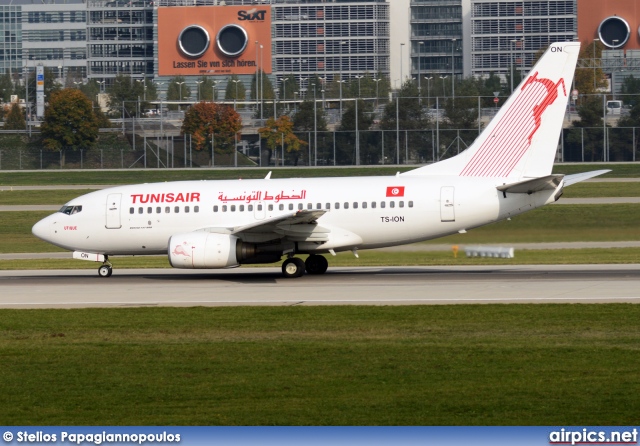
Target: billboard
x=615, y=22
x=214, y=40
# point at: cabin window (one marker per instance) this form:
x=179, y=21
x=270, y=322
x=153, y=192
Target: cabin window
x=149, y=210
x=364, y=205
x=270, y=207
x=196, y=209
x=392, y=204
x=346, y=205
x=291, y=206
x=373, y=205
x=327, y=206
x=401, y=204
x=186, y=209
x=337, y=205
x=300, y=206
x=140, y=210
x=167, y=210
x=132, y=210
x=382, y=205
x=233, y=208
x=241, y=208
x=281, y=207
x=176, y=209
x=411, y=204
x=250, y=208
x=309, y=206
x=158, y=210
x=215, y=209
x=355, y=205
x=224, y=208
x=318, y=206
x=259, y=207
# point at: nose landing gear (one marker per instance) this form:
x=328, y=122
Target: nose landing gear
x=106, y=269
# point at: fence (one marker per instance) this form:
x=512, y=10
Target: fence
x=373, y=147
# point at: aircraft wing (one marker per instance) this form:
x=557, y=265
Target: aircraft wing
x=297, y=226
x=572, y=179
x=550, y=182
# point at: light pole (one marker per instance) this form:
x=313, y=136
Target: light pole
x=235, y=99
x=444, y=92
x=60, y=74
x=198, y=83
x=453, y=67
x=377, y=81
x=511, y=67
x=144, y=88
x=428, y=79
x=341, y=74
x=213, y=90
x=295, y=102
x=401, y=78
x=594, y=63
x=77, y=83
x=101, y=83
x=257, y=74
x=419, y=70
x=261, y=84
x=315, y=126
x=359, y=77
x=284, y=90
x=180, y=98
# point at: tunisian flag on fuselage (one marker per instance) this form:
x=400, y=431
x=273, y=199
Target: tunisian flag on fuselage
x=395, y=191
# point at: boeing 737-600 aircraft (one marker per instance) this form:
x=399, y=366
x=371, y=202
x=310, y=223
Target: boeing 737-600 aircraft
x=222, y=224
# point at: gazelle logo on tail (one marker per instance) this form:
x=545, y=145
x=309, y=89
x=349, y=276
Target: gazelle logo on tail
x=552, y=95
x=512, y=137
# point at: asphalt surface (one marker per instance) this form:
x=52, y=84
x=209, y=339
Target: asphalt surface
x=339, y=286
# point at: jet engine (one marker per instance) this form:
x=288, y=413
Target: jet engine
x=199, y=250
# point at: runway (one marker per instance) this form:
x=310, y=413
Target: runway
x=339, y=286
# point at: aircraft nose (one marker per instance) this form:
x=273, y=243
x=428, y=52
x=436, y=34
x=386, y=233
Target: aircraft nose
x=42, y=229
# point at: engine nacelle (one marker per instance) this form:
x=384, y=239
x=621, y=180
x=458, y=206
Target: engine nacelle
x=195, y=250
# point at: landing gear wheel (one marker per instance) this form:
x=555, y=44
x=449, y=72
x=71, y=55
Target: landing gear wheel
x=316, y=264
x=105, y=271
x=293, y=267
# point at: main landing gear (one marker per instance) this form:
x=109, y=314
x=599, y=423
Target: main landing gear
x=295, y=267
x=106, y=269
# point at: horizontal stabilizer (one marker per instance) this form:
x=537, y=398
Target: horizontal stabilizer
x=576, y=178
x=550, y=182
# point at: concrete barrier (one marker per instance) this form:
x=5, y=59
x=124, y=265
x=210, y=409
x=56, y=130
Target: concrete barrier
x=489, y=251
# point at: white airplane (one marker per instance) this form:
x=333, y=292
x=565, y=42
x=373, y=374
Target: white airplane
x=224, y=224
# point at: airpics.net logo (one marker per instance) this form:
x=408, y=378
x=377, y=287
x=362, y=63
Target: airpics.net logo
x=588, y=436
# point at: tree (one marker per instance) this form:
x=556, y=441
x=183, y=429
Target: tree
x=406, y=113
x=205, y=88
x=207, y=121
x=236, y=90
x=124, y=91
x=6, y=87
x=279, y=132
x=303, y=120
x=590, y=81
x=266, y=94
x=177, y=90
x=69, y=122
x=15, y=119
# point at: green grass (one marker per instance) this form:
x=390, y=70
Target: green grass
x=413, y=365
x=597, y=190
x=62, y=177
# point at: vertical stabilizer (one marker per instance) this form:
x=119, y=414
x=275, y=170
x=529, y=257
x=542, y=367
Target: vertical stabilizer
x=522, y=139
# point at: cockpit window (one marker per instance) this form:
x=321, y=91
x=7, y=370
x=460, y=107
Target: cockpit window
x=70, y=210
